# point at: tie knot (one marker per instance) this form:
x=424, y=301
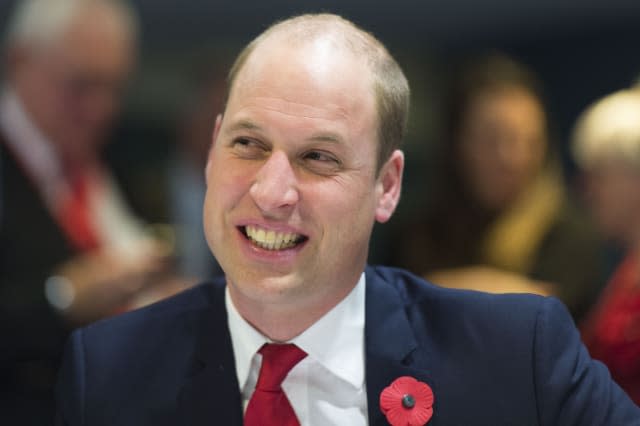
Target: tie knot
x=277, y=361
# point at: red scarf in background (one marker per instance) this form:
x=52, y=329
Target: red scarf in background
x=612, y=330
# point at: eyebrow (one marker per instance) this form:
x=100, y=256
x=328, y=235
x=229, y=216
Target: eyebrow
x=325, y=137
x=316, y=137
x=244, y=125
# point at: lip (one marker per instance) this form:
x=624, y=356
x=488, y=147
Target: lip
x=270, y=256
x=276, y=227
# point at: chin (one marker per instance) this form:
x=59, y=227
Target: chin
x=265, y=284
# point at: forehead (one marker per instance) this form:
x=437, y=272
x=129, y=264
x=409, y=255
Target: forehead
x=507, y=99
x=313, y=75
x=97, y=38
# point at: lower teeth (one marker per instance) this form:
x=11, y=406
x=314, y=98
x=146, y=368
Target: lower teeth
x=268, y=246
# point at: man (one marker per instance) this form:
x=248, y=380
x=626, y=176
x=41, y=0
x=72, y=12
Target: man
x=606, y=143
x=70, y=249
x=304, y=160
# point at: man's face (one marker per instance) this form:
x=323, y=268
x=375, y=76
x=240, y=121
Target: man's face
x=502, y=146
x=292, y=187
x=71, y=88
x=613, y=193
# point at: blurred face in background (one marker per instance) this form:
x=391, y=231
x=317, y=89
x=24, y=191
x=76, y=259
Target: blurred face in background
x=502, y=144
x=71, y=86
x=613, y=194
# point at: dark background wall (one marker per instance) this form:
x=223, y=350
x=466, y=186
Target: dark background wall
x=581, y=48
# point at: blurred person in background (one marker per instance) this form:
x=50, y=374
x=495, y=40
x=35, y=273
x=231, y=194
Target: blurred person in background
x=501, y=220
x=186, y=180
x=71, y=251
x=606, y=146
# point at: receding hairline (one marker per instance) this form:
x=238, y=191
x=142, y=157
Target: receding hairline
x=305, y=29
x=389, y=86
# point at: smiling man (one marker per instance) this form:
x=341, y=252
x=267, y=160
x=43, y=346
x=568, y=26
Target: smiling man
x=294, y=184
x=303, y=162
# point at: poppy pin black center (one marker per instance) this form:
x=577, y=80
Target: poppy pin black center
x=408, y=401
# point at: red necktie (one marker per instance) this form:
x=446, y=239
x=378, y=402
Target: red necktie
x=75, y=213
x=269, y=405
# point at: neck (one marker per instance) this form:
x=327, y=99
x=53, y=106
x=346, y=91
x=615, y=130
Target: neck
x=281, y=321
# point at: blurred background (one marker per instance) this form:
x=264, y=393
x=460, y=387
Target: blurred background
x=580, y=50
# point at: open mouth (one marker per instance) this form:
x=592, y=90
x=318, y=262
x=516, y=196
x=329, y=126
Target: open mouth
x=272, y=240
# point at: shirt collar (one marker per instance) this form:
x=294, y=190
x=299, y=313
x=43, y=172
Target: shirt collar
x=245, y=340
x=336, y=340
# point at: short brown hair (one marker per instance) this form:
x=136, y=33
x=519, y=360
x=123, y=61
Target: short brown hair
x=390, y=86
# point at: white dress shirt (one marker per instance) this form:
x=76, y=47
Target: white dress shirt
x=328, y=386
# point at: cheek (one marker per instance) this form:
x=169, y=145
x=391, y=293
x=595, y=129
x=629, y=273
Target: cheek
x=226, y=175
x=612, y=202
x=599, y=196
x=224, y=189
x=478, y=173
x=51, y=104
x=222, y=196
x=477, y=160
x=609, y=192
x=349, y=208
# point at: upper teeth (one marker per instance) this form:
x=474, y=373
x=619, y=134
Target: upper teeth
x=272, y=240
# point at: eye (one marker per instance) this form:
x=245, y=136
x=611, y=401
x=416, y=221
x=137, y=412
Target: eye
x=321, y=162
x=320, y=156
x=242, y=142
x=248, y=148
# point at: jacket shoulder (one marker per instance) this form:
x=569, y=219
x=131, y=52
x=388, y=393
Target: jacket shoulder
x=190, y=300
x=126, y=339
x=525, y=346
x=435, y=301
x=106, y=364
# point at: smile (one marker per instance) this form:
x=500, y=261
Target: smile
x=272, y=240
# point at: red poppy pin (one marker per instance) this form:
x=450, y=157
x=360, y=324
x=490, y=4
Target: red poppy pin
x=407, y=402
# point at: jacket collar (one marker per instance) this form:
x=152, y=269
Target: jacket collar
x=210, y=394
x=392, y=350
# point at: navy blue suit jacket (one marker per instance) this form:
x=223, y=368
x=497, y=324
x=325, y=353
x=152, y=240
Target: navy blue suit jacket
x=490, y=360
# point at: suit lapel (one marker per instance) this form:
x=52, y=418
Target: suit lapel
x=210, y=394
x=392, y=350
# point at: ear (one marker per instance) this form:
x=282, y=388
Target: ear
x=214, y=138
x=389, y=186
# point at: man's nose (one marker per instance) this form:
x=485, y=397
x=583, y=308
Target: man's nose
x=275, y=187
